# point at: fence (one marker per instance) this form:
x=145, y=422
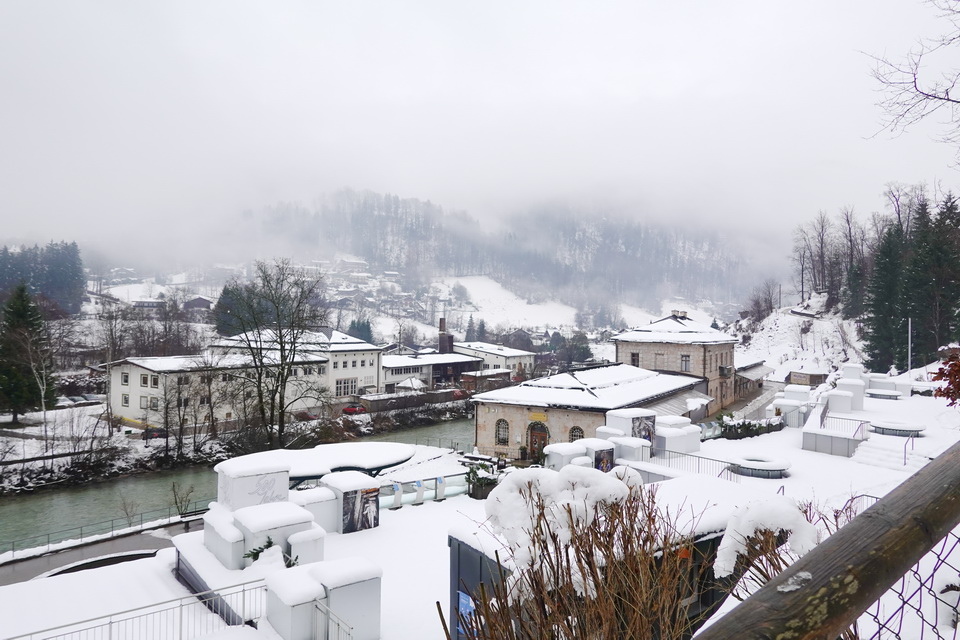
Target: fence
x=695, y=464
x=44, y=542
x=178, y=619
x=327, y=626
x=849, y=427
x=892, y=572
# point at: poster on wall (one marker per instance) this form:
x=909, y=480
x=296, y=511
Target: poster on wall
x=361, y=510
x=644, y=427
x=603, y=459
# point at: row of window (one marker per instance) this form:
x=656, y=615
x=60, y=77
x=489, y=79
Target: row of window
x=402, y=371
x=502, y=433
x=153, y=381
x=153, y=403
x=352, y=363
x=716, y=360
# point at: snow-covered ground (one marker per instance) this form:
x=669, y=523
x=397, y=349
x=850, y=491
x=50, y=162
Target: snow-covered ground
x=411, y=544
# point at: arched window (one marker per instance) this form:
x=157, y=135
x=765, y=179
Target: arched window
x=503, y=432
x=576, y=433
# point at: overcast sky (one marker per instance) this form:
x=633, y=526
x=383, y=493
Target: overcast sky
x=147, y=117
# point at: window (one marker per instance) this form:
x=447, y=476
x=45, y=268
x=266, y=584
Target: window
x=143, y=402
x=154, y=381
x=308, y=371
x=503, y=432
x=228, y=415
x=354, y=365
x=143, y=379
x=207, y=379
x=182, y=380
x=183, y=403
x=204, y=400
x=125, y=399
x=684, y=363
x=124, y=378
x=345, y=387
x=294, y=372
x=363, y=363
x=154, y=404
x=335, y=364
x=224, y=377
x=576, y=433
x=635, y=359
x=321, y=369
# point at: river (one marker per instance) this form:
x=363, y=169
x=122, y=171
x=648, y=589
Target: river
x=26, y=515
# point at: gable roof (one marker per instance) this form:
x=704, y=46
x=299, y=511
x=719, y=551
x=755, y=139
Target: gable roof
x=675, y=329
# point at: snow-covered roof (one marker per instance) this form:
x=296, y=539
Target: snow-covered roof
x=324, y=458
x=493, y=349
x=324, y=340
x=487, y=373
x=599, y=389
x=675, y=329
x=393, y=362
x=173, y=364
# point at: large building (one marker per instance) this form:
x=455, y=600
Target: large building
x=569, y=406
x=353, y=365
x=219, y=384
x=497, y=356
x=677, y=344
x=429, y=369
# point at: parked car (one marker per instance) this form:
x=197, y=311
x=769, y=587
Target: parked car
x=78, y=399
x=354, y=408
x=95, y=397
x=154, y=432
x=63, y=402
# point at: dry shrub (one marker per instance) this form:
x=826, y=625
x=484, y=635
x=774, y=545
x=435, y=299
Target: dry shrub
x=627, y=573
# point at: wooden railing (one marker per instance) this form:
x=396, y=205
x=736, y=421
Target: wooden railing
x=829, y=588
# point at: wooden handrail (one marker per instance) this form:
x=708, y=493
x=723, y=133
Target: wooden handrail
x=831, y=586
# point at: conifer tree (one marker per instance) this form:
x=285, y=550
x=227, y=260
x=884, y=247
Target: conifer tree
x=884, y=325
x=26, y=365
x=471, y=330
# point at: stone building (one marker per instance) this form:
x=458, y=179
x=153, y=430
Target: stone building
x=677, y=344
x=568, y=406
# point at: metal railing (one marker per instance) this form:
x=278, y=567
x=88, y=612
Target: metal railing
x=108, y=528
x=179, y=619
x=890, y=573
x=695, y=464
x=327, y=625
x=849, y=427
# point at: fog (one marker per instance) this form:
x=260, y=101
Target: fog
x=146, y=127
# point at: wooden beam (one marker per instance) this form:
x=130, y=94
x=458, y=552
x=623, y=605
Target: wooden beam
x=832, y=585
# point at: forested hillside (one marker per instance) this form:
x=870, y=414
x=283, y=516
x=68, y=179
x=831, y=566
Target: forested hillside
x=54, y=271
x=587, y=258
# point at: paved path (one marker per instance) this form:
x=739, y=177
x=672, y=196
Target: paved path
x=20, y=570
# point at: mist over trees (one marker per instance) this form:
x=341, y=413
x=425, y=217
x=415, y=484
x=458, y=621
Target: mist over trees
x=590, y=259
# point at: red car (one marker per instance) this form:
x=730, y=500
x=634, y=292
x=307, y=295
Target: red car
x=354, y=408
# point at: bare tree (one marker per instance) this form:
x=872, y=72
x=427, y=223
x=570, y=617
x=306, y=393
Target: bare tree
x=274, y=315
x=763, y=300
x=923, y=84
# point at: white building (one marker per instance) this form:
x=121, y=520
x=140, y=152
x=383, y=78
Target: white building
x=497, y=356
x=431, y=369
x=354, y=367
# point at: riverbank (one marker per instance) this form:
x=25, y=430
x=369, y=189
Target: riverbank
x=108, y=455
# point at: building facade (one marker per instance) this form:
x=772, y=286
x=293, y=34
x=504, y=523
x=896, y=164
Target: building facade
x=676, y=344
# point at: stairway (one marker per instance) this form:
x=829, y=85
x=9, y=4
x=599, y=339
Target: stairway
x=877, y=452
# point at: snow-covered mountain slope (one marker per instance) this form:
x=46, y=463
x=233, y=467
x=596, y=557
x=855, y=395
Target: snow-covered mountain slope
x=799, y=339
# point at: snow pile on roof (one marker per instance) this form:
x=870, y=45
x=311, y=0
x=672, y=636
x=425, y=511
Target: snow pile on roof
x=321, y=460
x=512, y=506
x=773, y=513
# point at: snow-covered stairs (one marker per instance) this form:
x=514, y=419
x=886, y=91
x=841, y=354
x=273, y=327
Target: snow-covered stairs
x=878, y=452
